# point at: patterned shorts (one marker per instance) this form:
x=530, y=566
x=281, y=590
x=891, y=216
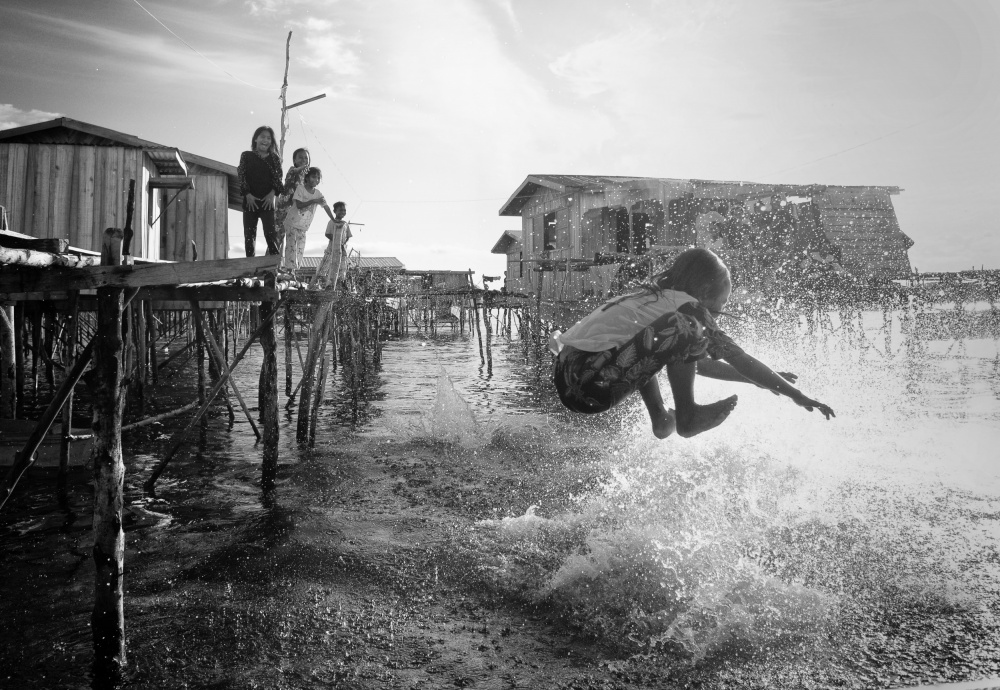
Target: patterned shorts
x=590, y=382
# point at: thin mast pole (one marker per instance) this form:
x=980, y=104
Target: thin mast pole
x=284, y=88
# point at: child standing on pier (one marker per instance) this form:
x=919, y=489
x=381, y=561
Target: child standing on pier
x=621, y=347
x=333, y=268
x=295, y=176
x=300, y=216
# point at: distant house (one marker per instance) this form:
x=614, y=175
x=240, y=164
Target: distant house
x=355, y=264
x=510, y=244
x=587, y=235
x=69, y=179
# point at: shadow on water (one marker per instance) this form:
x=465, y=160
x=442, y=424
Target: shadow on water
x=448, y=496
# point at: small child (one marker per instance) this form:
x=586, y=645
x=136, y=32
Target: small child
x=300, y=215
x=621, y=346
x=333, y=268
x=295, y=176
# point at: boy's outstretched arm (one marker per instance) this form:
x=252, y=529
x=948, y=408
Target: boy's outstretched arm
x=716, y=369
x=757, y=372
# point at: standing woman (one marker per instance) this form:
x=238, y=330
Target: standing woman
x=260, y=181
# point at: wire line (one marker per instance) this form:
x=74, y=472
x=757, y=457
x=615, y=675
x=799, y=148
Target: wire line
x=262, y=88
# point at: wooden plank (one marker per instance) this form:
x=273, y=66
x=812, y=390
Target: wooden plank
x=18, y=171
x=83, y=217
x=28, y=211
x=52, y=245
x=140, y=275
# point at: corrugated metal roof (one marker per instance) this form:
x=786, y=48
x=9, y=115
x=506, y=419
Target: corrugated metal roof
x=361, y=262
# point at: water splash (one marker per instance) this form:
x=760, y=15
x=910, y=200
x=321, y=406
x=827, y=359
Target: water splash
x=449, y=420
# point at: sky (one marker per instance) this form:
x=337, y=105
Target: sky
x=437, y=110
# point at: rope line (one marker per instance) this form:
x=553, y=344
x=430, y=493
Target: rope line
x=200, y=54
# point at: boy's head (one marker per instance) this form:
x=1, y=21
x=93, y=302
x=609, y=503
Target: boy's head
x=340, y=209
x=699, y=273
x=314, y=176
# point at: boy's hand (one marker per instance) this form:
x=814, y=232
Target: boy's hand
x=809, y=404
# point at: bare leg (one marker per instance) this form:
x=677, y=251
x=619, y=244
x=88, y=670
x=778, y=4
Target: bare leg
x=664, y=422
x=692, y=419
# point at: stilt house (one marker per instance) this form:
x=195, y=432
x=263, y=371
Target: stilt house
x=590, y=235
x=69, y=179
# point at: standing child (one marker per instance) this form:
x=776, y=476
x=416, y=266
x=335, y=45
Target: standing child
x=300, y=216
x=621, y=347
x=333, y=268
x=295, y=176
x=259, y=173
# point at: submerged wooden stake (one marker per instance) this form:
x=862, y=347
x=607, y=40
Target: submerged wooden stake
x=267, y=400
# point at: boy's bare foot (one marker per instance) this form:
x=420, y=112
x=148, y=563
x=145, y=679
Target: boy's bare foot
x=705, y=417
x=664, y=426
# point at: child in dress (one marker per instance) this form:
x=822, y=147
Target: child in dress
x=620, y=347
x=300, y=216
x=333, y=268
x=295, y=176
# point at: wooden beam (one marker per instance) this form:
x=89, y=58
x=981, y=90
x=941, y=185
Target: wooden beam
x=43, y=259
x=15, y=240
x=138, y=276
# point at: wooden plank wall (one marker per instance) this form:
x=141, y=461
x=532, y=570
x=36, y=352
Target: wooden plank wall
x=862, y=222
x=200, y=215
x=74, y=192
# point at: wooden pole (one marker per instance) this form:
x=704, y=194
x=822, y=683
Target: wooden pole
x=108, y=617
x=19, y=344
x=220, y=363
x=323, y=312
x=67, y=418
x=153, y=336
x=182, y=435
x=200, y=349
x=8, y=365
x=160, y=417
x=284, y=109
x=267, y=400
x=288, y=349
x=479, y=333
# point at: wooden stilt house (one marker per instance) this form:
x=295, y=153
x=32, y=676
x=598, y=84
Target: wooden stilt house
x=591, y=235
x=69, y=179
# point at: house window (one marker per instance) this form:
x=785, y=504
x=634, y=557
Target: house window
x=549, y=223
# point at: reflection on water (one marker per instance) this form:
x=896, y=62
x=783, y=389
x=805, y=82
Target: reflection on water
x=863, y=551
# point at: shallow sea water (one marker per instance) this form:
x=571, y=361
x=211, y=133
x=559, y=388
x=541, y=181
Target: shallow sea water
x=779, y=550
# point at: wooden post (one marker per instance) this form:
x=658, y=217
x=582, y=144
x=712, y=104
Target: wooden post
x=8, y=366
x=267, y=400
x=108, y=617
x=19, y=344
x=489, y=331
x=220, y=364
x=288, y=349
x=152, y=337
x=316, y=344
x=200, y=348
x=479, y=333
x=67, y=418
x=183, y=434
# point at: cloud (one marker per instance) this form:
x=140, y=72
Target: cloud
x=329, y=50
x=12, y=116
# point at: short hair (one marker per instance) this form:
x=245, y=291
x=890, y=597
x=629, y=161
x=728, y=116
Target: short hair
x=274, y=141
x=339, y=203
x=301, y=150
x=314, y=171
x=697, y=271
